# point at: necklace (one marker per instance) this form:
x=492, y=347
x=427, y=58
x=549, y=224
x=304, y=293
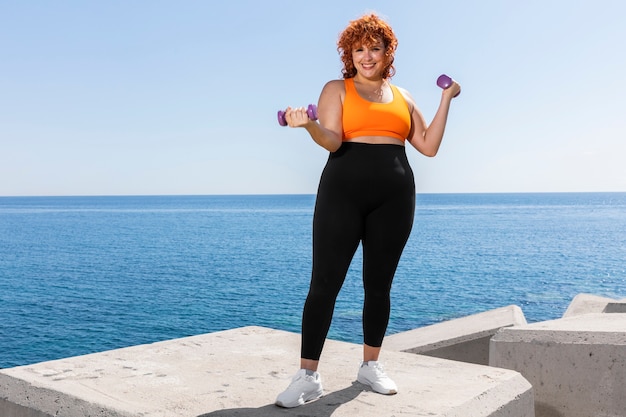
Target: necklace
x=377, y=94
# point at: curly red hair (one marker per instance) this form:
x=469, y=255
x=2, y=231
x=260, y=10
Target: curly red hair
x=366, y=31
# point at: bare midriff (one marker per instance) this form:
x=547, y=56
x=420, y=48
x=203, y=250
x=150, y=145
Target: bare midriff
x=376, y=140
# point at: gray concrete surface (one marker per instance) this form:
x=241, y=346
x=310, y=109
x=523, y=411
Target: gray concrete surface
x=577, y=365
x=464, y=339
x=239, y=372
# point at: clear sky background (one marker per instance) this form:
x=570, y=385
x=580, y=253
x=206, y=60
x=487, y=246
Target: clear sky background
x=180, y=97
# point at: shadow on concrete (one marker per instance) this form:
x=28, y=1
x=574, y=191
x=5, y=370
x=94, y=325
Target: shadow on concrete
x=324, y=407
x=544, y=410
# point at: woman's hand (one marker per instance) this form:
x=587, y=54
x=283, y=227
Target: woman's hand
x=297, y=117
x=452, y=91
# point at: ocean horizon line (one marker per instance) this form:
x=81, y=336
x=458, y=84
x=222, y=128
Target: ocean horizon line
x=302, y=194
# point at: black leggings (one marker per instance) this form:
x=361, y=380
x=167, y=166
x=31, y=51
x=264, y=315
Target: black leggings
x=366, y=194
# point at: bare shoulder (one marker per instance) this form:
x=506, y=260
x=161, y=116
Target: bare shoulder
x=335, y=86
x=333, y=92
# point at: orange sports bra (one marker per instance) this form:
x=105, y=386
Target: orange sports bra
x=366, y=118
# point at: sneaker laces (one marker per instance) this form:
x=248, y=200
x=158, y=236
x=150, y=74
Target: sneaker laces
x=300, y=379
x=379, y=370
x=377, y=366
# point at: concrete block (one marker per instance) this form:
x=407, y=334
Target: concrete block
x=239, y=372
x=465, y=339
x=577, y=365
x=586, y=304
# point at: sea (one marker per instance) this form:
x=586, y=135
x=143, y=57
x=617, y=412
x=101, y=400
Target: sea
x=87, y=274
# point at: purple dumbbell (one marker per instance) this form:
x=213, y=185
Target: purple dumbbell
x=311, y=111
x=445, y=82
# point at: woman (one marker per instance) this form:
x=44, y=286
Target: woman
x=366, y=195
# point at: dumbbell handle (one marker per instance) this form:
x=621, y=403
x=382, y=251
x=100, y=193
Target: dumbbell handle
x=445, y=82
x=311, y=111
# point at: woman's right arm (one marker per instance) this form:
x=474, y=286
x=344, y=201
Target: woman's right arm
x=329, y=131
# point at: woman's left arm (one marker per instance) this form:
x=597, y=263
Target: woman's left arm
x=427, y=138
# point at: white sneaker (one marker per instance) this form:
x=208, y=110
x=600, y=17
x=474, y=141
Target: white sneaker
x=371, y=373
x=303, y=388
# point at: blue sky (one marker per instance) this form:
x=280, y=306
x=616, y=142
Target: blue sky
x=180, y=97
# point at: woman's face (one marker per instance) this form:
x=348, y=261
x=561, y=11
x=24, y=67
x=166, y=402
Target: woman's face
x=369, y=60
